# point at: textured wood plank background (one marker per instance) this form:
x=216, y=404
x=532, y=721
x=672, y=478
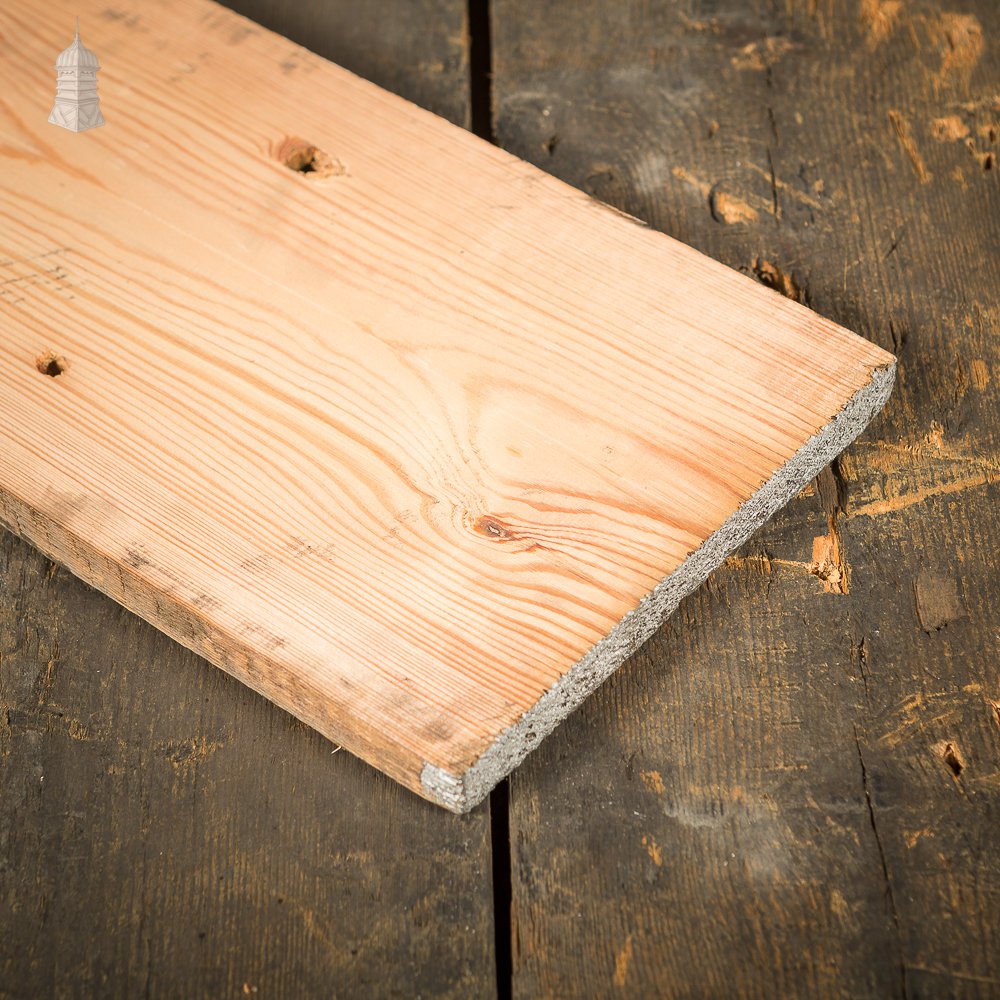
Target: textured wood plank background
x=763, y=803
x=815, y=773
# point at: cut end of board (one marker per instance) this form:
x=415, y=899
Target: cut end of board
x=462, y=792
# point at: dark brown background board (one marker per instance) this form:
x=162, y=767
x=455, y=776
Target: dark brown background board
x=419, y=50
x=788, y=791
x=761, y=803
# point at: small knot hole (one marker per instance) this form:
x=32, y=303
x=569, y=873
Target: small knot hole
x=305, y=158
x=50, y=364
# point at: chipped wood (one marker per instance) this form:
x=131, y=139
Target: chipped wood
x=937, y=600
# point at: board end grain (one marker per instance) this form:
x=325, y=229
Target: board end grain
x=462, y=792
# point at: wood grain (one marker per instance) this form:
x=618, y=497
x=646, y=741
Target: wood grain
x=763, y=802
x=397, y=440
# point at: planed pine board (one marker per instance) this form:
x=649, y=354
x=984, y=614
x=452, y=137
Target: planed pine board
x=420, y=444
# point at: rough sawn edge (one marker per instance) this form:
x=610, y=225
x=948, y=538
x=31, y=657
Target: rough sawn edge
x=460, y=792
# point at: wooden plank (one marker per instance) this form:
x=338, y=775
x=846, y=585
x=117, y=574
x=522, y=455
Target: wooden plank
x=419, y=50
x=166, y=832
x=763, y=802
x=420, y=446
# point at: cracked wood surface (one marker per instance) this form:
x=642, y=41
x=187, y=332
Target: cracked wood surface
x=794, y=788
x=165, y=832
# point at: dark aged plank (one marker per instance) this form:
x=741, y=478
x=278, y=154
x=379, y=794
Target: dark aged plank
x=165, y=832
x=418, y=50
x=792, y=790
x=165, y=829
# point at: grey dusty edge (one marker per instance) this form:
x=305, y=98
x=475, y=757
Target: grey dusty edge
x=460, y=792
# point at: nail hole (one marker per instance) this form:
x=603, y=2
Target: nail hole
x=305, y=158
x=50, y=364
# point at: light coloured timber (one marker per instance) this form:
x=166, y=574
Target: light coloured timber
x=420, y=444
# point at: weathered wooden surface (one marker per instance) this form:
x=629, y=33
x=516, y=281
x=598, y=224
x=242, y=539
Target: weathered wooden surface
x=792, y=791
x=165, y=832
x=418, y=50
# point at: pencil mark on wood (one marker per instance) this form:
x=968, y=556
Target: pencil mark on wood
x=128, y=20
